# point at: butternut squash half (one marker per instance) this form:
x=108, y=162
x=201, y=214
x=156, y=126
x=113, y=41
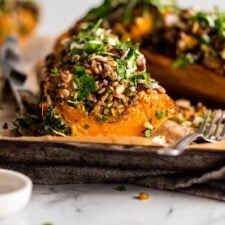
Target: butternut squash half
x=97, y=85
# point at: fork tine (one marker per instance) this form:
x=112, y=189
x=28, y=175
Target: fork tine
x=210, y=127
x=204, y=123
x=222, y=135
x=216, y=134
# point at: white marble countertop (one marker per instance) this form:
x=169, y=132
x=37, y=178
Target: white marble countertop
x=103, y=205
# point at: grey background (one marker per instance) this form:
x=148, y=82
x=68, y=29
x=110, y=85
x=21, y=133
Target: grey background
x=58, y=15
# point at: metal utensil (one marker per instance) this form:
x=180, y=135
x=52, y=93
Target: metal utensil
x=12, y=68
x=211, y=130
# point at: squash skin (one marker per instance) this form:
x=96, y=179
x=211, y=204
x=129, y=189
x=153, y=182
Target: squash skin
x=192, y=81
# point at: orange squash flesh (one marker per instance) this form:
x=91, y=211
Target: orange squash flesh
x=131, y=125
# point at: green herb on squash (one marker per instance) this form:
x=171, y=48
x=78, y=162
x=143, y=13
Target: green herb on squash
x=161, y=115
x=55, y=71
x=184, y=60
x=148, y=133
x=121, y=68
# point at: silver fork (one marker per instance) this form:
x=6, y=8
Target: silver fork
x=206, y=133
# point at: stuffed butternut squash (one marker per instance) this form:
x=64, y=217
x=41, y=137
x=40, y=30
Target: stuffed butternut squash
x=96, y=85
x=17, y=16
x=185, y=46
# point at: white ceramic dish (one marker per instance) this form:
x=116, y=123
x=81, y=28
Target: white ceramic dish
x=15, y=192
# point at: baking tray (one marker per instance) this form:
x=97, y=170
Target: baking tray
x=29, y=153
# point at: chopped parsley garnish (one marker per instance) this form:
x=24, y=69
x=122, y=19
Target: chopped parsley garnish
x=55, y=71
x=163, y=5
x=148, y=133
x=135, y=79
x=80, y=70
x=121, y=68
x=184, y=60
x=94, y=47
x=106, y=8
x=161, y=115
x=124, y=45
x=133, y=53
x=204, y=18
x=220, y=25
x=120, y=188
x=102, y=119
x=86, y=84
x=215, y=20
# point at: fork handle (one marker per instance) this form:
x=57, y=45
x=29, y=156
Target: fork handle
x=178, y=148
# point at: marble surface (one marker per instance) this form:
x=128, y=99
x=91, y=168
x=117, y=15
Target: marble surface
x=103, y=205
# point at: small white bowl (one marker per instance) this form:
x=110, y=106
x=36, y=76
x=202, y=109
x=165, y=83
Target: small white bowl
x=15, y=192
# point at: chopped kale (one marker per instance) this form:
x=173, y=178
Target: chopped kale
x=54, y=122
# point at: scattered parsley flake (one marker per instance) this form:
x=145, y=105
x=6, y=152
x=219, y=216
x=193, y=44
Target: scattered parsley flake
x=120, y=188
x=121, y=68
x=161, y=115
x=124, y=45
x=184, y=60
x=55, y=71
x=148, y=133
x=102, y=119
